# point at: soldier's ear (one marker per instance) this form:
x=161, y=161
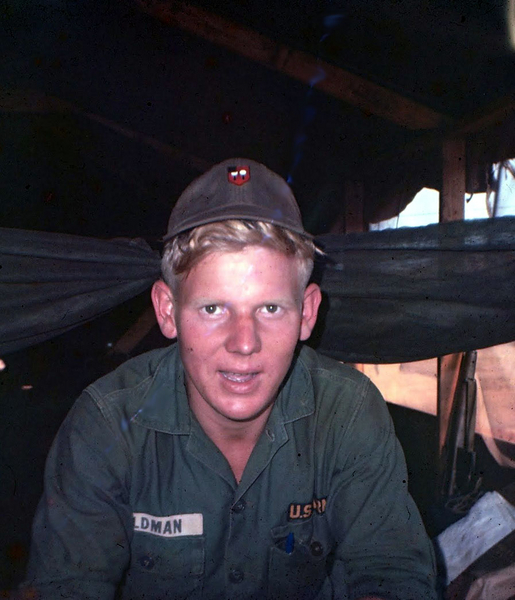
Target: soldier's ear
x=164, y=307
x=312, y=299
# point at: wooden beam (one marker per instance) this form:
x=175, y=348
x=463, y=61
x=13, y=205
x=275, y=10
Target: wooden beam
x=452, y=208
x=493, y=114
x=36, y=102
x=334, y=81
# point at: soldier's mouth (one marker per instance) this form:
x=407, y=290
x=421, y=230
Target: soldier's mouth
x=238, y=377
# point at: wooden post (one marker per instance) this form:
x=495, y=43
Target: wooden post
x=452, y=208
x=452, y=196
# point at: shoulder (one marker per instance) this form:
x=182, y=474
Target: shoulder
x=133, y=373
x=343, y=393
x=331, y=376
x=110, y=405
x=121, y=393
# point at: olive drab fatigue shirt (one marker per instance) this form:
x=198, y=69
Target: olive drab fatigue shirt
x=138, y=499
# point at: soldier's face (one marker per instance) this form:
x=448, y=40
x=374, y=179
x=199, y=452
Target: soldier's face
x=238, y=317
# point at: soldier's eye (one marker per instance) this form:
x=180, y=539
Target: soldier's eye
x=211, y=309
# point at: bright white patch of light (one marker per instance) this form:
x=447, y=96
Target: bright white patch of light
x=3, y=366
x=504, y=201
x=424, y=210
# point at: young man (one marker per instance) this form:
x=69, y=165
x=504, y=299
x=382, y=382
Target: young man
x=233, y=464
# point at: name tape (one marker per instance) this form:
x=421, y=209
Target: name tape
x=170, y=526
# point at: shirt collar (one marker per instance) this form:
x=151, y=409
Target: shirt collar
x=165, y=404
x=296, y=396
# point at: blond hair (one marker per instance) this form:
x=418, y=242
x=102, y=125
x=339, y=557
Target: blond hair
x=187, y=249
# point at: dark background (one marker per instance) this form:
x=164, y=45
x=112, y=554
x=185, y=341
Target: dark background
x=107, y=112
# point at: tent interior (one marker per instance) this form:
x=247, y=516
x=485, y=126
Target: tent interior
x=109, y=109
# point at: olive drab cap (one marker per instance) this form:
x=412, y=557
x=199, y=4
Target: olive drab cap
x=237, y=188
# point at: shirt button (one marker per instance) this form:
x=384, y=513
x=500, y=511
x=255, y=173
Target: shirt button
x=235, y=576
x=147, y=562
x=317, y=549
x=239, y=506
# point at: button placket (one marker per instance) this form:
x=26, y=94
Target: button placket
x=236, y=576
x=147, y=562
x=316, y=549
x=239, y=506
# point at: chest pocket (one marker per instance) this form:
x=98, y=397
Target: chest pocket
x=165, y=568
x=299, y=561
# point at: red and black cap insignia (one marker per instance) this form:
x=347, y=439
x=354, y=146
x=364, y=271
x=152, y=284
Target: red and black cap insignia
x=238, y=175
